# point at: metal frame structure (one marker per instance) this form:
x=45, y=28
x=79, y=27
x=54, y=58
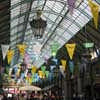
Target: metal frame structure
x=61, y=25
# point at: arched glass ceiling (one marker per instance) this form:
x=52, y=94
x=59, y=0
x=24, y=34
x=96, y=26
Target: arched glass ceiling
x=61, y=26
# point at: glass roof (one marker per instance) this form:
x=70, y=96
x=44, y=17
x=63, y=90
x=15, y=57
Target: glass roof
x=61, y=25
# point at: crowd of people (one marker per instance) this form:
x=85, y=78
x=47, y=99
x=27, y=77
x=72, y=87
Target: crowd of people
x=32, y=96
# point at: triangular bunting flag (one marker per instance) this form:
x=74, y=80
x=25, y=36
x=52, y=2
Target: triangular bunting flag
x=62, y=71
x=37, y=48
x=10, y=54
x=63, y=64
x=21, y=48
x=71, y=66
x=4, y=48
x=41, y=74
x=34, y=69
x=71, y=5
x=54, y=48
x=95, y=12
x=47, y=74
x=70, y=49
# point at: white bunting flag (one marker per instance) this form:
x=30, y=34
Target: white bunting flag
x=4, y=48
x=37, y=48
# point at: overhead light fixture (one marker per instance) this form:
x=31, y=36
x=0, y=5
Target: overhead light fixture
x=38, y=25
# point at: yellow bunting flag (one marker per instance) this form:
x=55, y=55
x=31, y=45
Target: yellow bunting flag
x=30, y=80
x=41, y=74
x=95, y=12
x=34, y=69
x=27, y=78
x=63, y=64
x=70, y=49
x=10, y=54
x=18, y=73
x=21, y=48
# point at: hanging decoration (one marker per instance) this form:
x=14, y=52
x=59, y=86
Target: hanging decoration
x=50, y=77
x=18, y=73
x=47, y=74
x=41, y=74
x=37, y=48
x=63, y=64
x=71, y=5
x=34, y=69
x=46, y=59
x=4, y=48
x=38, y=25
x=30, y=80
x=54, y=48
x=88, y=44
x=43, y=68
x=95, y=11
x=55, y=61
x=22, y=76
x=70, y=49
x=71, y=66
x=36, y=77
x=10, y=54
x=62, y=70
x=26, y=59
x=22, y=48
x=52, y=67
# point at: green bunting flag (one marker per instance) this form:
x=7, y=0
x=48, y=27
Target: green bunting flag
x=47, y=74
x=43, y=68
x=54, y=48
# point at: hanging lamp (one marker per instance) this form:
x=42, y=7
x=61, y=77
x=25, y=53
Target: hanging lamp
x=38, y=25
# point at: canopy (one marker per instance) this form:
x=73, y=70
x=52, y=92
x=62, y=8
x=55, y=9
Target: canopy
x=30, y=88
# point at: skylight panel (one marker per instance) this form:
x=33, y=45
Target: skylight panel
x=59, y=31
x=67, y=35
x=52, y=17
x=13, y=2
x=50, y=4
x=14, y=23
x=15, y=11
x=73, y=29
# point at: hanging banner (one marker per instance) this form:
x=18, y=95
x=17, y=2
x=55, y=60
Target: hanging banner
x=52, y=67
x=88, y=45
x=55, y=61
x=4, y=48
x=71, y=5
x=26, y=58
x=36, y=77
x=62, y=71
x=71, y=66
x=43, y=68
x=18, y=73
x=30, y=80
x=47, y=74
x=34, y=69
x=37, y=48
x=46, y=59
x=10, y=54
x=54, y=48
x=50, y=77
x=21, y=48
x=95, y=11
x=41, y=74
x=63, y=64
x=70, y=49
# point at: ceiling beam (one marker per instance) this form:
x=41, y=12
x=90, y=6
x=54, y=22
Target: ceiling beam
x=29, y=5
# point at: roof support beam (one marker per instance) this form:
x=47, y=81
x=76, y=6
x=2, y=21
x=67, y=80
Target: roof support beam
x=55, y=29
x=26, y=19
